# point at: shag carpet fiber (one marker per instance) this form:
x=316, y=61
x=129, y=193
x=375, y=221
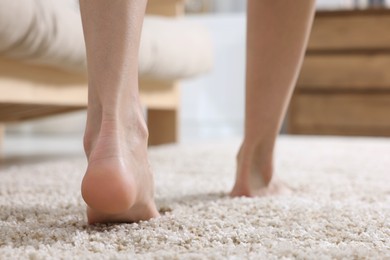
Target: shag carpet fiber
x=340, y=208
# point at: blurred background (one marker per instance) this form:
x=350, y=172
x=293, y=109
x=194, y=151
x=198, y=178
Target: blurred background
x=212, y=105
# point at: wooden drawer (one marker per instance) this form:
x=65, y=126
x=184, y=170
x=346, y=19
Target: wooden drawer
x=340, y=113
x=346, y=72
x=365, y=30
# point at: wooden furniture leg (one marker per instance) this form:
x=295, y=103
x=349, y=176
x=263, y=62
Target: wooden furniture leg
x=163, y=126
x=162, y=101
x=166, y=7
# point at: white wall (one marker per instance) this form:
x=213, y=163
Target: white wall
x=213, y=105
x=224, y=6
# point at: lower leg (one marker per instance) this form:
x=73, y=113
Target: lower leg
x=118, y=184
x=277, y=35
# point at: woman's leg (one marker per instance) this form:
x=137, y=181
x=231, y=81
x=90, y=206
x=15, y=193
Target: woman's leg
x=118, y=185
x=277, y=35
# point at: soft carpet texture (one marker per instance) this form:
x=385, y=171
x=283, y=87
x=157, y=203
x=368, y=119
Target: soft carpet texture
x=340, y=208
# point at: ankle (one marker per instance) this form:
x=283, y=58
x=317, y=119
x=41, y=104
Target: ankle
x=114, y=126
x=259, y=149
x=256, y=158
x=131, y=128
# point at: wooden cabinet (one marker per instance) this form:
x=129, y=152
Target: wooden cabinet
x=344, y=85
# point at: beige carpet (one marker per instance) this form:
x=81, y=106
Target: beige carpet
x=340, y=209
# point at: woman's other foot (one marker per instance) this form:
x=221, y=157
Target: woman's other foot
x=255, y=173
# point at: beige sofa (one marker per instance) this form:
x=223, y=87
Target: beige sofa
x=43, y=67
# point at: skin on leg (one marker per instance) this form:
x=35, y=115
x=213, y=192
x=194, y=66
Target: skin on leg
x=277, y=36
x=118, y=184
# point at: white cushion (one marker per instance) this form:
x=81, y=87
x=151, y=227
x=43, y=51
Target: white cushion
x=50, y=32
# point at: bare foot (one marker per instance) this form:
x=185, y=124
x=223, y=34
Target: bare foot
x=254, y=175
x=118, y=184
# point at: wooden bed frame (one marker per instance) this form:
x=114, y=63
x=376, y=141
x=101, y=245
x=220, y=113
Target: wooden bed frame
x=33, y=91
